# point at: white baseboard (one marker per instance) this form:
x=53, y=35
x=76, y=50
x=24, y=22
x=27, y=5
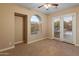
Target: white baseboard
x=50, y=37
x=18, y=42
x=35, y=40
x=7, y=48
x=76, y=44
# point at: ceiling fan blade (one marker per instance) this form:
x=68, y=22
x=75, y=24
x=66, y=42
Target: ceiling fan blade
x=54, y=4
x=40, y=6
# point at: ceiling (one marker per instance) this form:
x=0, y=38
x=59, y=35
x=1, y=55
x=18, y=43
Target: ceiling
x=61, y=6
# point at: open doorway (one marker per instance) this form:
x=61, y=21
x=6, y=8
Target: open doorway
x=20, y=28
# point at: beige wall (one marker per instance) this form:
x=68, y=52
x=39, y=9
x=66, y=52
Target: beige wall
x=64, y=12
x=7, y=24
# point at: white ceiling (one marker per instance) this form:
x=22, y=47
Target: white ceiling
x=50, y=10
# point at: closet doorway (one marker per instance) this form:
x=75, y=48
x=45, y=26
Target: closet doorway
x=20, y=28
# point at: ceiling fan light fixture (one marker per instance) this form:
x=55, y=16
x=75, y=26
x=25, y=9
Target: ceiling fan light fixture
x=49, y=5
x=46, y=6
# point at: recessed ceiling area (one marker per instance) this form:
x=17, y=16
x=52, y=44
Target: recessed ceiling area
x=35, y=6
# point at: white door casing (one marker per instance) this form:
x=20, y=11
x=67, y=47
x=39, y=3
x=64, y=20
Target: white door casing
x=62, y=30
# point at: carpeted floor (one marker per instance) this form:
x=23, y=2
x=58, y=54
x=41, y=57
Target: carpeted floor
x=44, y=47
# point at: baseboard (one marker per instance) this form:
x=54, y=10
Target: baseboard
x=18, y=42
x=76, y=44
x=36, y=40
x=50, y=38
x=7, y=48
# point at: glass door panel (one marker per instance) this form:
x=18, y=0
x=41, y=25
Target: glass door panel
x=67, y=33
x=57, y=27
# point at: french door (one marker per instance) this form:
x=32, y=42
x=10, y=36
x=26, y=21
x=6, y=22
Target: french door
x=64, y=28
x=56, y=27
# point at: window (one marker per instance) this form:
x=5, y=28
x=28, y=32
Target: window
x=35, y=24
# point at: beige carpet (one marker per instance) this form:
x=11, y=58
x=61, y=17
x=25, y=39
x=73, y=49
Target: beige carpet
x=45, y=47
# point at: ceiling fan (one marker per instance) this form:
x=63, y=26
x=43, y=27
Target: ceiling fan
x=48, y=5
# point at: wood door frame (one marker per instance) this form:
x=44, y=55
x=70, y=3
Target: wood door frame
x=24, y=26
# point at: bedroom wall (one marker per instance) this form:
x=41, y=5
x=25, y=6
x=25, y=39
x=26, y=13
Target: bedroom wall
x=7, y=24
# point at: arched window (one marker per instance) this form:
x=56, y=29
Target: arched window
x=35, y=24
